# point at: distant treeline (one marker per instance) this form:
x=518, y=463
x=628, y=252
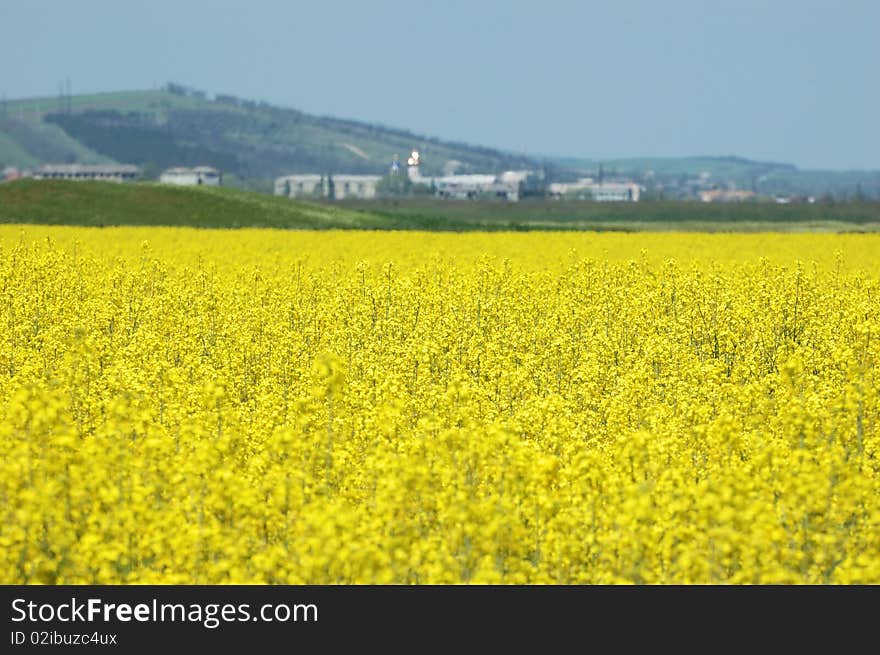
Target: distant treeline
x=348, y=126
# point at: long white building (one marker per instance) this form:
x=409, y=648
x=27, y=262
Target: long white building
x=599, y=191
x=101, y=172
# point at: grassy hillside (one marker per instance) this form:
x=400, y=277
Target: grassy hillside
x=249, y=140
x=580, y=215
x=28, y=141
x=58, y=202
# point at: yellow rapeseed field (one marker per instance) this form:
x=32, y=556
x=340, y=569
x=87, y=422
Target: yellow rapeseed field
x=184, y=406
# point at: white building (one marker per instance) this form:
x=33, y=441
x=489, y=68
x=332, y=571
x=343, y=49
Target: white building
x=319, y=186
x=599, y=191
x=299, y=186
x=102, y=172
x=355, y=186
x=726, y=195
x=10, y=173
x=200, y=175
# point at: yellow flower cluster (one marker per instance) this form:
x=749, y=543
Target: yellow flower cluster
x=183, y=406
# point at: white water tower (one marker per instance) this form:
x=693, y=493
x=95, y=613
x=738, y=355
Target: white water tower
x=413, y=166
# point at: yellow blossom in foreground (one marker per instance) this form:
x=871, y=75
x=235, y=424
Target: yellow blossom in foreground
x=184, y=406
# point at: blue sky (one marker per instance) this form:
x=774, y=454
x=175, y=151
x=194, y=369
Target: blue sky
x=791, y=81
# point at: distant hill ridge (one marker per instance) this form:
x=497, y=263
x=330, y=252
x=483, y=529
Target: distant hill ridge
x=177, y=126
x=255, y=142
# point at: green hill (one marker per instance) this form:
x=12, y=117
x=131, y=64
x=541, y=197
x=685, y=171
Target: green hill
x=99, y=204
x=247, y=140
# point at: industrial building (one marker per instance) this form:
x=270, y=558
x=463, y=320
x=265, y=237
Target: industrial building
x=507, y=185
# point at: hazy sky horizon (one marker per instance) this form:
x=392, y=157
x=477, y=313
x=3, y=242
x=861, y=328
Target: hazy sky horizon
x=782, y=81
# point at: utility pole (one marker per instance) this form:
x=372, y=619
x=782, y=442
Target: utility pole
x=69, y=97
